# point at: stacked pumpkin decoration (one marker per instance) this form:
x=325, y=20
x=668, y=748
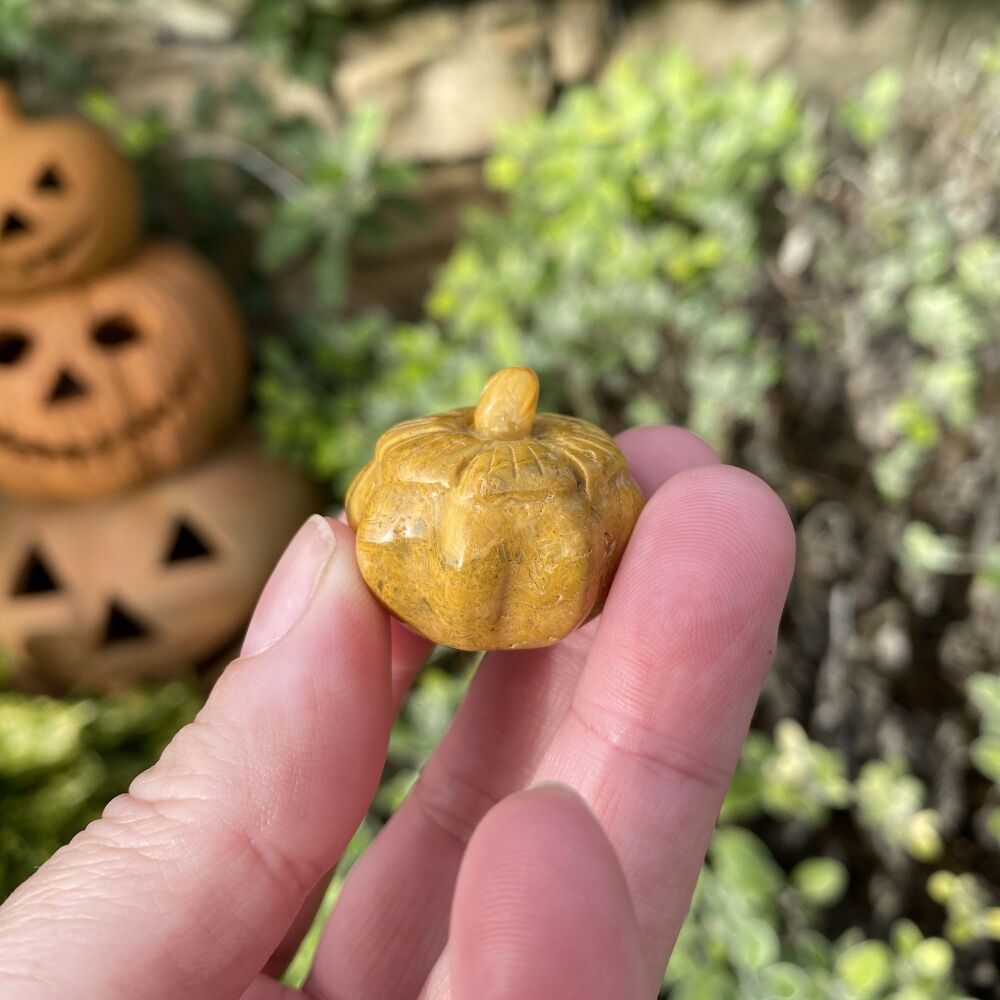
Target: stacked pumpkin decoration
x=139, y=525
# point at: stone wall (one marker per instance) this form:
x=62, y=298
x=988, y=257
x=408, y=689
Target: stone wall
x=447, y=75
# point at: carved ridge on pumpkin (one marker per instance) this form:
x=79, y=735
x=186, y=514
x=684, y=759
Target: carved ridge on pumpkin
x=138, y=426
x=504, y=534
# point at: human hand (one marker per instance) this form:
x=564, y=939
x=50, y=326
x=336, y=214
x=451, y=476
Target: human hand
x=489, y=882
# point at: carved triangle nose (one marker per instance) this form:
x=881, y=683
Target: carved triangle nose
x=67, y=386
x=13, y=225
x=122, y=625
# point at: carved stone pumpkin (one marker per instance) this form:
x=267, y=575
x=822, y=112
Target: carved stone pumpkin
x=491, y=527
x=69, y=202
x=112, y=382
x=143, y=587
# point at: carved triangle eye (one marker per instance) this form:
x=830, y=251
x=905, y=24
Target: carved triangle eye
x=187, y=544
x=122, y=625
x=115, y=332
x=14, y=346
x=49, y=180
x=35, y=577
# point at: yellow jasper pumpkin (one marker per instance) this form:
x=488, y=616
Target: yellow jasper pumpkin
x=493, y=527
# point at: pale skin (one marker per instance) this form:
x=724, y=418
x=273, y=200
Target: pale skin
x=552, y=843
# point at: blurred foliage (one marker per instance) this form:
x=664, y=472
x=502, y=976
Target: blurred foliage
x=908, y=244
x=750, y=936
x=634, y=267
x=811, y=288
x=629, y=255
x=302, y=34
x=62, y=761
x=791, y=777
x=25, y=46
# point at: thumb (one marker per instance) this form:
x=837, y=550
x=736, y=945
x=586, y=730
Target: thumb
x=187, y=883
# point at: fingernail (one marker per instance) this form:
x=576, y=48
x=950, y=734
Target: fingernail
x=554, y=786
x=566, y=791
x=292, y=584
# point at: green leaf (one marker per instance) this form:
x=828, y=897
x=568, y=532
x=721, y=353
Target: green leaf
x=896, y=470
x=989, y=568
x=754, y=945
x=330, y=275
x=783, y=981
x=741, y=859
x=984, y=690
x=874, y=112
x=978, y=264
x=646, y=409
x=922, y=837
x=933, y=958
x=922, y=550
x=985, y=754
x=866, y=968
x=288, y=236
x=941, y=320
x=38, y=734
x=905, y=937
x=710, y=984
x=822, y=881
x=941, y=885
x=993, y=824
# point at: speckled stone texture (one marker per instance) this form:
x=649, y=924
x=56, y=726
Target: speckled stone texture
x=491, y=527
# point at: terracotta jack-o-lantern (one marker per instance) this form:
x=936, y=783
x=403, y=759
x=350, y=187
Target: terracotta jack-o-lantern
x=145, y=586
x=111, y=382
x=69, y=202
x=493, y=527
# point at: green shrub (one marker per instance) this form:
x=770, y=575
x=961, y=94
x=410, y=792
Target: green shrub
x=628, y=267
x=61, y=762
x=906, y=249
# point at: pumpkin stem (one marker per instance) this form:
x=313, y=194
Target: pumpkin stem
x=506, y=408
x=9, y=111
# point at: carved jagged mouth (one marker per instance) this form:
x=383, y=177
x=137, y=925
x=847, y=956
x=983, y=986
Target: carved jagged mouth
x=63, y=664
x=136, y=427
x=53, y=254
